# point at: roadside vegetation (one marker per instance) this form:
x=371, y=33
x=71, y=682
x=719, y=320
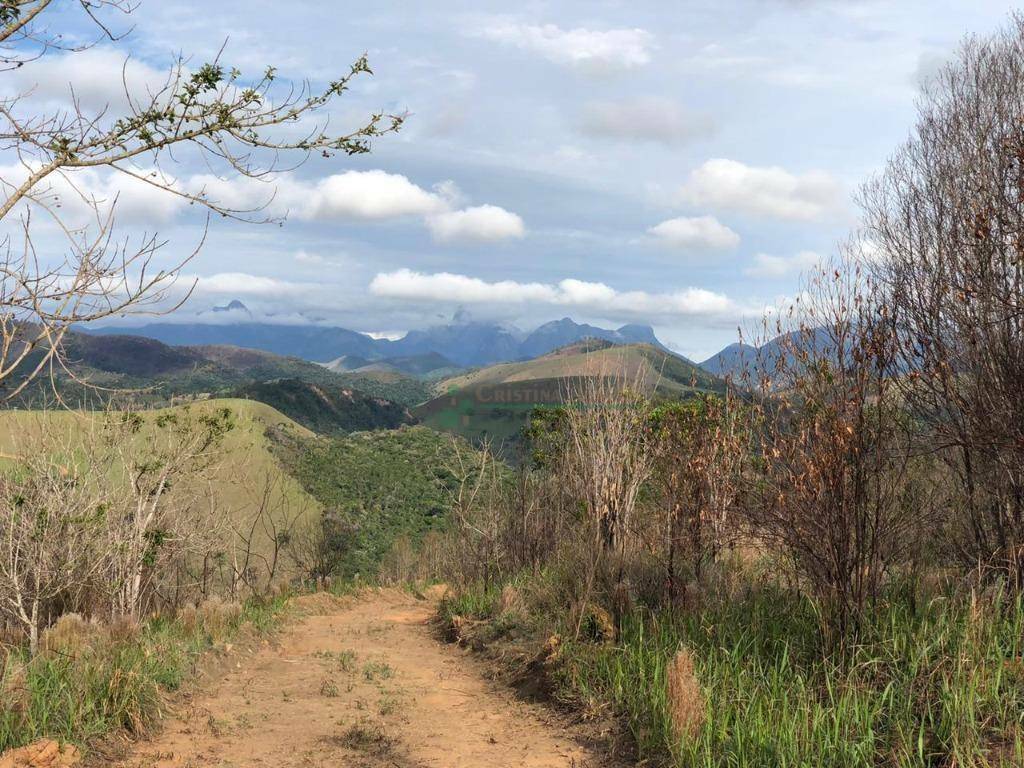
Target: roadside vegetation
x=823, y=565
x=116, y=565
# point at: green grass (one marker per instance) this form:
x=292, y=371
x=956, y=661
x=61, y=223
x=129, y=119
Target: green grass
x=113, y=684
x=930, y=683
x=939, y=684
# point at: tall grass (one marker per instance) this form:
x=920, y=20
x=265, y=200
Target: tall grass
x=939, y=683
x=110, y=683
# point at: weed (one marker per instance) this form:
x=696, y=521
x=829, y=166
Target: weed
x=377, y=670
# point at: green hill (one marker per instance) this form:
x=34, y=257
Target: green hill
x=326, y=408
x=495, y=402
x=378, y=487
x=249, y=476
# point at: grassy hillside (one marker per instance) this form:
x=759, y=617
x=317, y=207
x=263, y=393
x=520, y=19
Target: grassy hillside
x=248, y=475
x=326, y=408
x=495, y=402
x=381, y=486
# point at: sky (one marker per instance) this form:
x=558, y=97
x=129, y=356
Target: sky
x=677, y=164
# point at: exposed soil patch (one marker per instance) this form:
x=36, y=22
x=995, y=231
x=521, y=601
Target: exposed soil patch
x=361, y=684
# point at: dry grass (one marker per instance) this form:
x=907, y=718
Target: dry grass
x=70, y=635
x=215, y=616
x=683, y=696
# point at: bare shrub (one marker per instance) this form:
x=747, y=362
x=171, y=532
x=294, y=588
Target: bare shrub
x=89, y=520
x=69, y=635
x=608, y=454
x=218, y=617
x=477, y=512
x=945, y=223
x=834, y=490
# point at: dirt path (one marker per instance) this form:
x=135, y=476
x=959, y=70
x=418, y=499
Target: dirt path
x=364, y=685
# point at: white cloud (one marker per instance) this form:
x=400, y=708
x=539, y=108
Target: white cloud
x=645, y=119
x=369, y=195
x=482, y=223
x=408, y=285
x=766, y=191
x=697, y=233
x=769, y=266
x=592, y=49
x=243, y=284
x=363, y=195
x=78, y=196
x=366, y=196
x=97, y=76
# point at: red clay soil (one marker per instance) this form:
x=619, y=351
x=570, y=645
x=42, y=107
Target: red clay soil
x=362, y=683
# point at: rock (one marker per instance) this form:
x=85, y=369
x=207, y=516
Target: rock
x=45, y=753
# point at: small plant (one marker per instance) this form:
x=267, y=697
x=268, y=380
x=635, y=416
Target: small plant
x=366, y=736
x=377, y=670
x=388, y=705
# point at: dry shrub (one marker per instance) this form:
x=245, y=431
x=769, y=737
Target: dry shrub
x=683, y=696
x=595, y=624
x=188, y=617
x=14, y=692
x=219, y=617
x=121, y=630
x=70, y=635
x=511, y=601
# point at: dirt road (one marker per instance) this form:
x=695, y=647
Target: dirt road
x=364, y=684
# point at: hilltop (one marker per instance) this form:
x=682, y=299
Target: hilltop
x=495, y=402
x=151, y=373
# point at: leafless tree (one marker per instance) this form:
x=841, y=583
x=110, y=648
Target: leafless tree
x=150, y=526
x=834, y=490
x=247, y=127
x=608, y=450
x=50, y=523
x=945, y=225
x=264, y=534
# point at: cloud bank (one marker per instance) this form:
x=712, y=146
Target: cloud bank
x=446, y=287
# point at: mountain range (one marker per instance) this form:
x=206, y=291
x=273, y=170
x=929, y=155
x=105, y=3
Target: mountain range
x=465, y=344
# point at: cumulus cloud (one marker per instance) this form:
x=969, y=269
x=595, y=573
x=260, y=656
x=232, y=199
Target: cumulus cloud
x=769, y=266
x=764, y=191
x=482, y=223
x=645, y=119
x=79, y=195
x=590, y=49
x=367, y=196
x=97, y=77
x=696, y=233
x=446, y=287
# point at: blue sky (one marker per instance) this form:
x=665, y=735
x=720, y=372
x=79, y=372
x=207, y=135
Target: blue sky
x=675, y=163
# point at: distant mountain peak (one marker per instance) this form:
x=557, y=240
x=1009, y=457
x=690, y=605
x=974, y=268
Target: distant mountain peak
x=233, y=306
